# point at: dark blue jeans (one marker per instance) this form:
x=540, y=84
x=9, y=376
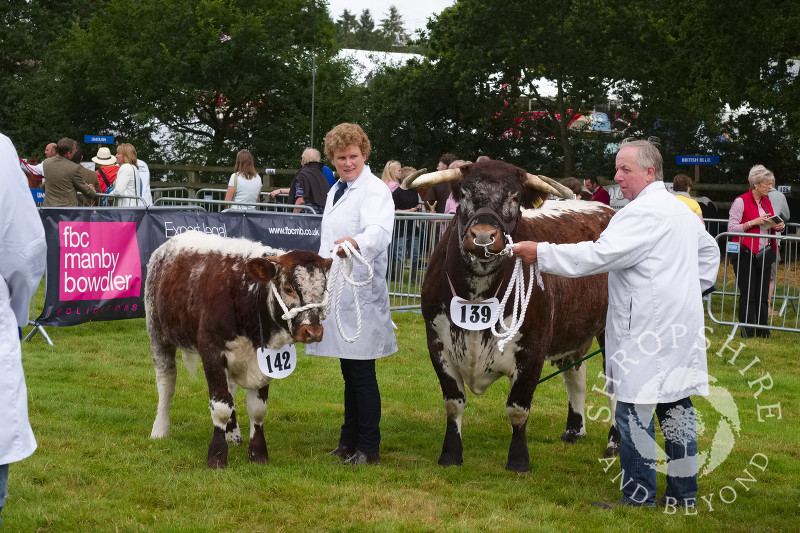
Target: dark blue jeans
x=362, y=406
x=3, y=489
x=637, y=453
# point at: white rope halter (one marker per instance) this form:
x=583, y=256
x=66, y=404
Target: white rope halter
x=289, y=314
x=516, y=283
x=334, y=276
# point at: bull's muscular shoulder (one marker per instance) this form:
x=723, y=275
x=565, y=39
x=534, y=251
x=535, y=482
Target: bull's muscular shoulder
x=566, y=221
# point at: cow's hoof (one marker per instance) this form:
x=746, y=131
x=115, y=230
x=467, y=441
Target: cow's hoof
x=570, y=435
x=449, y=460
x=260, y=459
x=612, y=450
x=518, y=467
x=217, y=462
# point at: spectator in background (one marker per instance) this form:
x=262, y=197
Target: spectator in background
x=309, y=186
x=599, y=194
x=451, y=205
x=107, y=173
x=22, y=262
x=64, y=177
x=144, y=172
x=406, y=234
x=329, y=175
x=578, y=190
x=391, y=174
x=49, y=151
x=129, y=182
x=244, y=184
x=781, y=207
x=753, y=262
x=89, y=176
x=436, y=197
x=682, y=186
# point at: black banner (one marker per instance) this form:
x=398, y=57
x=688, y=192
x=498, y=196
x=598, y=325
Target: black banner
x=97, y=260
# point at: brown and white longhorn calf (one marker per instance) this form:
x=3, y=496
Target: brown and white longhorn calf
x=561, y=319
x=214, y=296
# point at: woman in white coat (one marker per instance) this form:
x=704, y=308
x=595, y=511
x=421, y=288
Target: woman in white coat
x=359, y=210
x=128, y=181
x=22, y=260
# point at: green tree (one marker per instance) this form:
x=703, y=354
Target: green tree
x=392, y=28
x=346, y=27
x=204, y=78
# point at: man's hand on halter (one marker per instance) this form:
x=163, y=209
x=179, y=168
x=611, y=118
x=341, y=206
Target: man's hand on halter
x=341, y=252
x=525, y=250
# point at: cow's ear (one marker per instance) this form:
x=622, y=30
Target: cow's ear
x=532, y=199
x=261, y=269
x=327, y=262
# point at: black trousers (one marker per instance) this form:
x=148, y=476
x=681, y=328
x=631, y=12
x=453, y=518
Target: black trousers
x=752, y=278
x=362, y=406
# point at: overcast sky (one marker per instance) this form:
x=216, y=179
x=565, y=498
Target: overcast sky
x=415, y=13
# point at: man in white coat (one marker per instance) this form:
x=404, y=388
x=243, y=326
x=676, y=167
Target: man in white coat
x=359, y=210
x=660, y=261
x=22, y=261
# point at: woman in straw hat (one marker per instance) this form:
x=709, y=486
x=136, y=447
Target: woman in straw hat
x=107, y=173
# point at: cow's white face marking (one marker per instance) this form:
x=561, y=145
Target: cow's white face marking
x=310, y=283
x=472, y=358
x=242, y=364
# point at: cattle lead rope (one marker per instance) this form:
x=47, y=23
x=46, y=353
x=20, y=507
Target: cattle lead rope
x=521, y=301
x=333, y=278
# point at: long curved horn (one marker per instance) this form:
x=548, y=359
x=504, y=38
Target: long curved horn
x=548, y=185
x=419, y=179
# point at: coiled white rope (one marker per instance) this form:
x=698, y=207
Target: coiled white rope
x=343, y=268
x=516, y=284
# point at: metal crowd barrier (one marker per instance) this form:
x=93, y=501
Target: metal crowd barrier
x=726, y=306
x=166, y=193
x=414, y=237
x=215, y=206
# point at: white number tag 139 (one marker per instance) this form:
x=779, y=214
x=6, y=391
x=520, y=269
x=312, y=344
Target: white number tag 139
x=277, y=363
x=474, y=316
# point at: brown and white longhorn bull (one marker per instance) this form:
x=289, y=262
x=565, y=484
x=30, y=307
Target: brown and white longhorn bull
x=218, y=297
x=496, y=199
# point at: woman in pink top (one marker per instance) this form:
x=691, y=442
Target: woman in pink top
x=391, y=174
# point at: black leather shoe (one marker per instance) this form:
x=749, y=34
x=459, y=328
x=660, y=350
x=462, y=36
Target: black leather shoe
x=343, y=452
x=361, y=458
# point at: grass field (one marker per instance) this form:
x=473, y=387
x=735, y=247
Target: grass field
x=93, y=401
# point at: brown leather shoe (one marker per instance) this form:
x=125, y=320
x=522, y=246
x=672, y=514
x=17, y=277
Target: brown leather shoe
x=361, y=458
x=343, y=452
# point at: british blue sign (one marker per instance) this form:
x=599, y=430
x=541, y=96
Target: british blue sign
x=38, y=195
x=697, y=160
x=98, y=139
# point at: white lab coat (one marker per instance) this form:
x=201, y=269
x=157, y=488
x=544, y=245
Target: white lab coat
x=365, y=212
x=22, y=261
x=144, y=173
x=128, y=183
x=659, y=258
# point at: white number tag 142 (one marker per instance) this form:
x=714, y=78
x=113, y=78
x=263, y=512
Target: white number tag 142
x=474, y=316
x=277, y=363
